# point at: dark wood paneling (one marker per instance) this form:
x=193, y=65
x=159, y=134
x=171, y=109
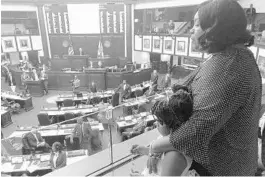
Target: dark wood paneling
x=89, y=44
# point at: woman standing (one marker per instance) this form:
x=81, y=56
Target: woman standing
x=44, y=79
x=58, y=157
x=222, y=134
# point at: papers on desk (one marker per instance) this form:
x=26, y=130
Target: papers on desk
x=33, y=167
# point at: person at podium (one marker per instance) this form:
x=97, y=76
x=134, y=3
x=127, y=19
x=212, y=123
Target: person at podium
x=125, y=91
x=81, y=52
x=93, y=87
x=154, y=79
x=75, y=83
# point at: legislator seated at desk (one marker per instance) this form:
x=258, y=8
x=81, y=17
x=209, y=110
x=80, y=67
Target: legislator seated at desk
x=58, y=157
x=33, y=142
x=93, y=87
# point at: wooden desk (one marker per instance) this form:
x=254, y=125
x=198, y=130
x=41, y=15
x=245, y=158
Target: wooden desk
x=130, y=121
x=52, y=131
x=5, y=118
x=103, y=95
x=35, y=88
x=25, y=102
x=86, y=109
x=33, y=164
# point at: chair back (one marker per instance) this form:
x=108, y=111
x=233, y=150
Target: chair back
x=95, y=100
x=138, y=93
x=115, y=99
x=79, y=95
x=43, y=119
x=68, y=103
x=68, y=115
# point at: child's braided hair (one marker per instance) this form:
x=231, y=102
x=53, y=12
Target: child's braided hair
x=176, y=110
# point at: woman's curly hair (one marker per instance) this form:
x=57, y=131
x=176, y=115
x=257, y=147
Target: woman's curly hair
x=176, y=110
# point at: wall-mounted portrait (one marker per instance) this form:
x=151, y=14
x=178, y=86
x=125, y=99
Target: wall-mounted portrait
x=193, y=51
x=9, y=44
x=23, y=43
x=169, y=44
x=138, y=41
x=157, y=44
x=181, y=46
x=147, y=43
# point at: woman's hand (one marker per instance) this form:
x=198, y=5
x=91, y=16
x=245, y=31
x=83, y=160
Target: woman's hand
x=141, y=150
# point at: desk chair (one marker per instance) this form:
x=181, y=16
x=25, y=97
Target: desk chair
x=68, y=116
x=115, y=99
x=26, y=150
x=44, y=119
x=138, y=93
x=68, y=103
x=95, y=100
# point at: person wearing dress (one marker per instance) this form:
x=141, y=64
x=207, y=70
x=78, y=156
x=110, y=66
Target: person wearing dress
x=83, y=132
x=170, y=115
x=44, y=79
x=25, y=77
x=222, y=133
x=58, y=157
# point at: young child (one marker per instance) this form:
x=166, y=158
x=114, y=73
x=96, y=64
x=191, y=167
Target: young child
x=170, y=115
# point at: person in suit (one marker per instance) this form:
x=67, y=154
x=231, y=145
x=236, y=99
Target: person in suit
x=93, y=87
x=154, y=79
x=83, y=132
x=58, y=157
x=25, y=77
x=125, y=90
x=75, y=83
x=221, y=134
x=81, y=52
x=33, y=141
x=166, y=82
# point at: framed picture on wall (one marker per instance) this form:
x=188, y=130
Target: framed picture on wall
x=254, y=50
x=157, y=44
x=169, y=45
x=193, y=52
x=147, y=40
x=9, y=44
x=138, y=42
x=182, y=46
x=261, y=63
x=23, y=43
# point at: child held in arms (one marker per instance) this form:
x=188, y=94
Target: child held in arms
x=169, y=114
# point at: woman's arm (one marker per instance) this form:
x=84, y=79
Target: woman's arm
x=173, y=164
x=162, y=145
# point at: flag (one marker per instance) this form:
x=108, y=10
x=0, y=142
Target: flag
x=100, y=50
x=70, y=47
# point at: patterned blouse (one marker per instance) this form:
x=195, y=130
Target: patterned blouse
x=222, y=133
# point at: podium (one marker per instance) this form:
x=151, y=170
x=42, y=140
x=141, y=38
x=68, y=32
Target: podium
x=35, y=88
